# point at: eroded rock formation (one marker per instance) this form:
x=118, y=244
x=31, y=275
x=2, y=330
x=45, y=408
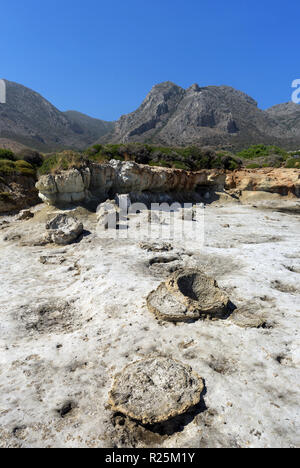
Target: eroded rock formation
x=144, y=183
x=281, y=181
x=155, y=389
x=188, y=295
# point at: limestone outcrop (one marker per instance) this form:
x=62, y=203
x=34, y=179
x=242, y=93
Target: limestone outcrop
x=102, y=181
x=155, y=389
x=66, y=187
x=99, y=182
x=282, y=181
x=188, y=295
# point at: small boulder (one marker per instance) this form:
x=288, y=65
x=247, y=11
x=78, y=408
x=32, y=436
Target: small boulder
x=63, y=229
x=25, y=214
x=155, y=389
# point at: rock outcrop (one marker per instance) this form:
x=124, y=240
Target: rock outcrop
x=188, y=295
x=155, y=389
x=101, y=181
x=281, y=181
x=144, y=183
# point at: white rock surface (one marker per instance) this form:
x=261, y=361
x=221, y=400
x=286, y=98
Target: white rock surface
x=68, y=327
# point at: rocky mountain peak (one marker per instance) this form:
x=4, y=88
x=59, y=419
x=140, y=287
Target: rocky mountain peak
x=211, y=115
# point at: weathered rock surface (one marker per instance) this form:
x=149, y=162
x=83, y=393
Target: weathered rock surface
x=68, y=187
x=25, y=214
x=17, y=192
x=58, y=362
x=155, y=389
x=188, y=295
x=63, y=229
x=145, y=183
x=281, y=181
x=123, y=178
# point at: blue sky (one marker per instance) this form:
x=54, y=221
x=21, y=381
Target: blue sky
x=103, y=57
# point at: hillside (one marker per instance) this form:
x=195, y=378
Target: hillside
x=31, y=120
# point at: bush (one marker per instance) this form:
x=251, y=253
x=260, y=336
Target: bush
x=256, y=151
x=292, y=163
x=60, y=162
x=253, y=166
x=32, y=157
x=7, y=154
x=189, y=158
x=180, y=165
x=16, y=167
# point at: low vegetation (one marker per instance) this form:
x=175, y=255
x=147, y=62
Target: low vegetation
x=31, y=163
x=256, y=151
x=189, y=158
x=269, y=156
x=7, y=155
x=19, y=167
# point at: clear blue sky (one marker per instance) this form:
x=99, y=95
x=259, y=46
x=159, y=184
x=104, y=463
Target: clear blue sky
x=102, y=57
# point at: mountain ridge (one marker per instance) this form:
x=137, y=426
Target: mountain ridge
x=211, y=115
x=218, y=116
x=28, y=118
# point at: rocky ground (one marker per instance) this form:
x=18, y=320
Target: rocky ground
x=74, y=316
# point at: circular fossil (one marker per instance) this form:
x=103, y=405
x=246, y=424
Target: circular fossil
x=188, y=294
x=155, y=389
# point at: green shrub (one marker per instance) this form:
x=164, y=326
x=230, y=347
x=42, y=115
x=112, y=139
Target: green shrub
x=292, y=163
x=161, y=163
x=233, y=165
x=256, y=151
x=60, y=162
x=6, y=166
x=180, y=165
x=253, y=166
x=7, y=154
x=16, y=167
x=32, y=157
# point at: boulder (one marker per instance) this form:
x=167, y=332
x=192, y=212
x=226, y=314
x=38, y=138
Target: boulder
x=188, y=295
x=63, y=229
x=155, y=389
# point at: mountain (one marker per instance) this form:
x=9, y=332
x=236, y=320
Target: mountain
x=288, y=116
x=31, y=120
x=218, y=116
x=212, y=115
x=88, y=126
